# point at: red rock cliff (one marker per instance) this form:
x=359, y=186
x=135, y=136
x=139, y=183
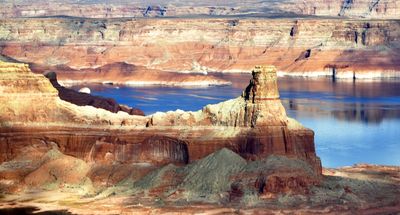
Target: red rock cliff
x=151, y=48
x=254, y=125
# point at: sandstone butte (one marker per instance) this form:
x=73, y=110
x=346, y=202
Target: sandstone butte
x=244, y=152
x=164, y=50
x=254, y=124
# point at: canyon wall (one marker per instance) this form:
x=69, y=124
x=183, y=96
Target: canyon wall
x=125, y=50
x=161, y=8
x=378, y=9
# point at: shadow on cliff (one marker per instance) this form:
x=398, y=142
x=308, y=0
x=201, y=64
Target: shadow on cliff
x=32, y=210
x=383, y=58
x=82, y=99
x=5, y=58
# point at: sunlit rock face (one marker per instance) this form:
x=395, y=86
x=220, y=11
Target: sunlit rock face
x=42, y=136
x=254, y=125
x=30, y=99
x=242, y=152
x=347, y=8
x=263, y=85
x=128, y=74
x=259, y=105
x=150, y=51
x=161, y=8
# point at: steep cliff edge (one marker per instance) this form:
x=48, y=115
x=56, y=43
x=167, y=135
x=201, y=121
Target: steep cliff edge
x=243, y=152
x=160, y=8
x=155, y=49
x=29, y=99
x=253, y=125
x=258, y=106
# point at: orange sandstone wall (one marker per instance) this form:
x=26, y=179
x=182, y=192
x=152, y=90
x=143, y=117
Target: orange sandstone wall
x=306, y=47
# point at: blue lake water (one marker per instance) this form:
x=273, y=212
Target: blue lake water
x=354, y=122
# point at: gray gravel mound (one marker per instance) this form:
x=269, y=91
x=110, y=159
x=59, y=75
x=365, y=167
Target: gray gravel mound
x=154, y=178
x=275, y=163
x=211, y=174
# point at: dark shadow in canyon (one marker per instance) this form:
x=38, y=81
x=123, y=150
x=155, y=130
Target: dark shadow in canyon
x=31, y=211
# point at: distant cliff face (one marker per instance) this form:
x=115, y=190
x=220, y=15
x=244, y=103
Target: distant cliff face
x=379, y=9
x=161, y=8
x=307, y=47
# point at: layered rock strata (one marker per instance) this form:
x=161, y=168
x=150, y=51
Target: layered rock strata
x=30, y=99
x=151, y=48
x=242, y=152
x=127, y=74
x=42, y=137
x=253, y=125
x=160, y=8
x=378, y=9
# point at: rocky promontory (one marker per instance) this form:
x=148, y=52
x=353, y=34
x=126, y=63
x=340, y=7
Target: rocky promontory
x=251, y=119
x=242, y=152
x=83, y=98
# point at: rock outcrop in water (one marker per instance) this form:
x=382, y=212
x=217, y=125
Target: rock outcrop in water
x=254, y=124
x=243, y=152
x=258, y=106
x=151, y=48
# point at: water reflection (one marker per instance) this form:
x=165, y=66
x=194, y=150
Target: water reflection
x=354, y=122
x=374, y=113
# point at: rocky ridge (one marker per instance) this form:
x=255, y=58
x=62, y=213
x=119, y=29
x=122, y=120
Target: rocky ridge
x=31, y=99
x=117, y=73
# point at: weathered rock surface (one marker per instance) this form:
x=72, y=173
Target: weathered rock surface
x=29, y=99
x=244, y=152
x=253, y=125
x=218, y=183
x=161, y=8
x=151, y=48
x=379, y=9
x=127, y=74
x=55, y=170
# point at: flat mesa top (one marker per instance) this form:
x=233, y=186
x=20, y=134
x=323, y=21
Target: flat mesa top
x=13, y=67
x=264, y=68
